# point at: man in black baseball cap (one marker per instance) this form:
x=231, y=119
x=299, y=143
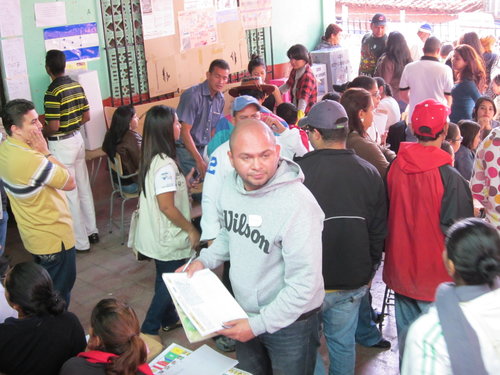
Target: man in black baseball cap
x=373, y=45
x=351, y=193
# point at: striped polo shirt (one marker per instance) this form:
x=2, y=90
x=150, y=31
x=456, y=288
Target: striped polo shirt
x=41, y=210
x=65, y=101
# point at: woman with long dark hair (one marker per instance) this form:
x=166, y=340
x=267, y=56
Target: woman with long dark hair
x=164, y=230
x=461, y=332
x=44, y=335
x=122, y=139
x=464, y=157
x=358, y=104
x=114, y=347
x=257, y=68
x=470, y=83
x=391, y=64
x=301, y=82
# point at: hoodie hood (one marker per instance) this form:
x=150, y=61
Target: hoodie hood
x=416, y=158
x=287, y=172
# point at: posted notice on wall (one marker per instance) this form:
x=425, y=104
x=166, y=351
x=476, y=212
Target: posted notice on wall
x=10, y=18
x=78, y=42
x=197, y=28
x=16, y=72
x=157, y=18
x=256, y=13
x=50, y=14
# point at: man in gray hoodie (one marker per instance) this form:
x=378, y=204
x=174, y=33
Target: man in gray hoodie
x=271, y=233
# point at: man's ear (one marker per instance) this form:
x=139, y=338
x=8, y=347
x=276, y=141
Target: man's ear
x=448, y=264
x=207, y=74
x=230, y=154
x=278, y=149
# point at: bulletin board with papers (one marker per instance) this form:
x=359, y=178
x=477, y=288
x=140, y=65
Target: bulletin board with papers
x=192, y=34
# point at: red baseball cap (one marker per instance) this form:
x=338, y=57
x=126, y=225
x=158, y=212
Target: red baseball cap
x=429, y=118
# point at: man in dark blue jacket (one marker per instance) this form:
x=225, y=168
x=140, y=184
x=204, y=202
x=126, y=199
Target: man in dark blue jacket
x=351, y=193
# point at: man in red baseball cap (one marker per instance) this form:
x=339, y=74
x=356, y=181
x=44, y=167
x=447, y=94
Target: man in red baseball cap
x=426, y=196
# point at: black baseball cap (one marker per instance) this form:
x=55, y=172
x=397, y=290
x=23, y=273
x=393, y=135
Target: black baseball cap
x=379, y=19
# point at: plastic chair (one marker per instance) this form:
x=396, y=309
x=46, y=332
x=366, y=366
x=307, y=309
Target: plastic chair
x=116, y=169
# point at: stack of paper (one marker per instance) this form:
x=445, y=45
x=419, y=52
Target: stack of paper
x=203, y=303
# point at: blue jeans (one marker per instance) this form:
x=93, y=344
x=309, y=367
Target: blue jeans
x=407, y=311
x=3, y=230
x=62, y=269
x=161, y=312
x=367, y=333
x=289, y=351
x=340, y=319
x=186, y=161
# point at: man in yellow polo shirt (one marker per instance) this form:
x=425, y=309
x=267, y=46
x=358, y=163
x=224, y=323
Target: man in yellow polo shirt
x=33, y=178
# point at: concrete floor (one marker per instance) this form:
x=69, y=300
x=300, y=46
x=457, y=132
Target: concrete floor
x=110, y=270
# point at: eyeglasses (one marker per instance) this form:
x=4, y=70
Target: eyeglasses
x=376, y=94
x=458, y=139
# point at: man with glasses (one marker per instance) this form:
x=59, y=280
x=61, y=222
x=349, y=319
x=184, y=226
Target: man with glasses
x=352, y=196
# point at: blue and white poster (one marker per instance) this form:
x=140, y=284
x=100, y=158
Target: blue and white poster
x=78, y=42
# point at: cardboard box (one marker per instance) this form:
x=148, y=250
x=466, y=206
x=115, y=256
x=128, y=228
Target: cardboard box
x=338, y=66
x=319, y=71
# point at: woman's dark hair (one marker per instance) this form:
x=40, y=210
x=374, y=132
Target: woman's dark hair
x=255, y=61
x=363, y=82
x=30, y=287
x=256, y=93
x=299, y=52
x=331, y=29
x=474, y=68
x=332, y=95
x=472, y=39
x=157, y=139
x=446, y=146
x=120, y=124
x=452, y=134
x=353, y=100
x=398, y=52
x=381, y=82
x=473, y=245
x=117, y=326
x=480, y=101
x=469, y=130
x=288, y=112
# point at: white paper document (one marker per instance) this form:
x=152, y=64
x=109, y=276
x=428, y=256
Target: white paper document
x=50, y=14
x=204, y=361
x=204, y=299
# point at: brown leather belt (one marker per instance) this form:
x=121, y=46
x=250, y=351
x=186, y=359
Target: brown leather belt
x=62, y=136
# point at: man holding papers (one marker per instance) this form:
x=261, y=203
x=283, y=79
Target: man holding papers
x=271, y=233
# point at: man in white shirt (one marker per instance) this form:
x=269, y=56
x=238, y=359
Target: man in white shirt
x=417, y=41
x=427, y=78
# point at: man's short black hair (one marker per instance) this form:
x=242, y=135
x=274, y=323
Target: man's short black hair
x=288, y=112
x=13, y=113
x=332, y=135
x=426, y=138
x=55, y=60
x=432, y=45
x=218, y=63
x=255, y=93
